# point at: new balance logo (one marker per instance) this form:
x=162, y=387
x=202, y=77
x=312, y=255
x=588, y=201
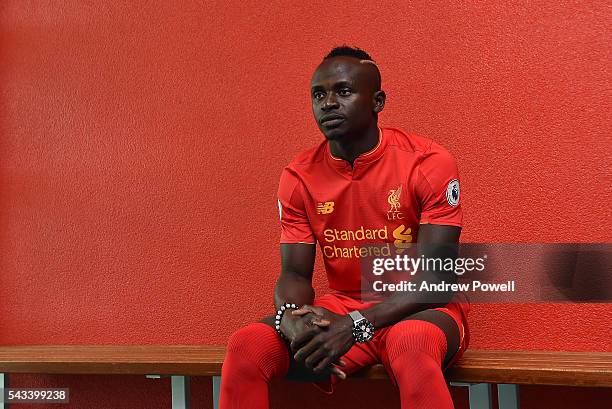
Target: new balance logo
x=325, y=207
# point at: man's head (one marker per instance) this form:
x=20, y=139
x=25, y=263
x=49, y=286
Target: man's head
x=345, y=92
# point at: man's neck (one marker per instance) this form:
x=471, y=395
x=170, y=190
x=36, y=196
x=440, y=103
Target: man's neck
x=352, y=146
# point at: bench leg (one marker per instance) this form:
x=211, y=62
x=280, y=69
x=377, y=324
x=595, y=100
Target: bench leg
x=216, y=381
x=508, y=396
x=180, y=392
x=480, y=394
x=3, y=384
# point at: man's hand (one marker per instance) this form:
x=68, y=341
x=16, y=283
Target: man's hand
x=321, y=347
x=306, y=326
x=293, y=326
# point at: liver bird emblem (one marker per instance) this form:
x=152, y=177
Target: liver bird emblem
x=394, y=197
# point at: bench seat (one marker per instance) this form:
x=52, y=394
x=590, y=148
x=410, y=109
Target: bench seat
x=520, y=367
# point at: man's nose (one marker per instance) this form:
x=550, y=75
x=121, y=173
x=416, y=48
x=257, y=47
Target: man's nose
x=329, y=102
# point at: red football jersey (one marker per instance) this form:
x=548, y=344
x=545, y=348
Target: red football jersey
x=405, y=181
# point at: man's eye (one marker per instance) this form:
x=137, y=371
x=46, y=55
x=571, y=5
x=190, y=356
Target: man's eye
x=345, y=92
x=317, y=95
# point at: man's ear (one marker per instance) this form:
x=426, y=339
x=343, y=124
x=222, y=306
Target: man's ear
x=379, y=101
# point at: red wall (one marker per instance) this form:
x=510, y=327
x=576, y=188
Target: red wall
x=141, y=147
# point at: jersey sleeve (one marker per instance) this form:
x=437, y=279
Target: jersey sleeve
x=295, y=227
x=438, y=189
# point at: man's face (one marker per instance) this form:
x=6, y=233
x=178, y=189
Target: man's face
x=342, y=91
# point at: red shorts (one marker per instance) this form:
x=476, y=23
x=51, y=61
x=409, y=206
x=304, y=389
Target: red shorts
x=374, y=351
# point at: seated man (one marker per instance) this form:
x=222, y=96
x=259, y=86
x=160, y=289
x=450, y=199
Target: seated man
x=363, y=184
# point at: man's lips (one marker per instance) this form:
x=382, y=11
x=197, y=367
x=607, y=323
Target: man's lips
x=332, y=119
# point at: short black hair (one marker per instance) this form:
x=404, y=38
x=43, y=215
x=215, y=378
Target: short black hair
x=355, y=52
x=348, y=51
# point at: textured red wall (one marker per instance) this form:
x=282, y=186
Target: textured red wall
x=141, y=147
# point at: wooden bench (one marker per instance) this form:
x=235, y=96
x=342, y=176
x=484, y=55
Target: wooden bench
x=477, y=370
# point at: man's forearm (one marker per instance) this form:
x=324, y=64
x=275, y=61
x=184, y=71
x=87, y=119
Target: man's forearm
x=293, y=288
x=296, y=289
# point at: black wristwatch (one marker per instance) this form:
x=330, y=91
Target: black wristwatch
x=363, y=330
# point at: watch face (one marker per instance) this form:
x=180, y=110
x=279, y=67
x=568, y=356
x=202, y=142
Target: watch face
x=363, y=331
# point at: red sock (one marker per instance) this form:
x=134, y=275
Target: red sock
x=416, y=350
x=255, y=354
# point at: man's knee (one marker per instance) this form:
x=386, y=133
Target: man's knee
x=416, y=336
x=297, y=371
x=255, y=336
x=257, y=347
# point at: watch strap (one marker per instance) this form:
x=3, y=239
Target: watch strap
x=356, y=316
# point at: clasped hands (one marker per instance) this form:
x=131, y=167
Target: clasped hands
x=322, y=339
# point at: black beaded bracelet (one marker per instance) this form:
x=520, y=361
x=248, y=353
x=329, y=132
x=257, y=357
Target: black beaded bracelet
x=279, y=317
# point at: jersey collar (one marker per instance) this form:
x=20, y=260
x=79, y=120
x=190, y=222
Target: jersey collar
x=367, y=157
